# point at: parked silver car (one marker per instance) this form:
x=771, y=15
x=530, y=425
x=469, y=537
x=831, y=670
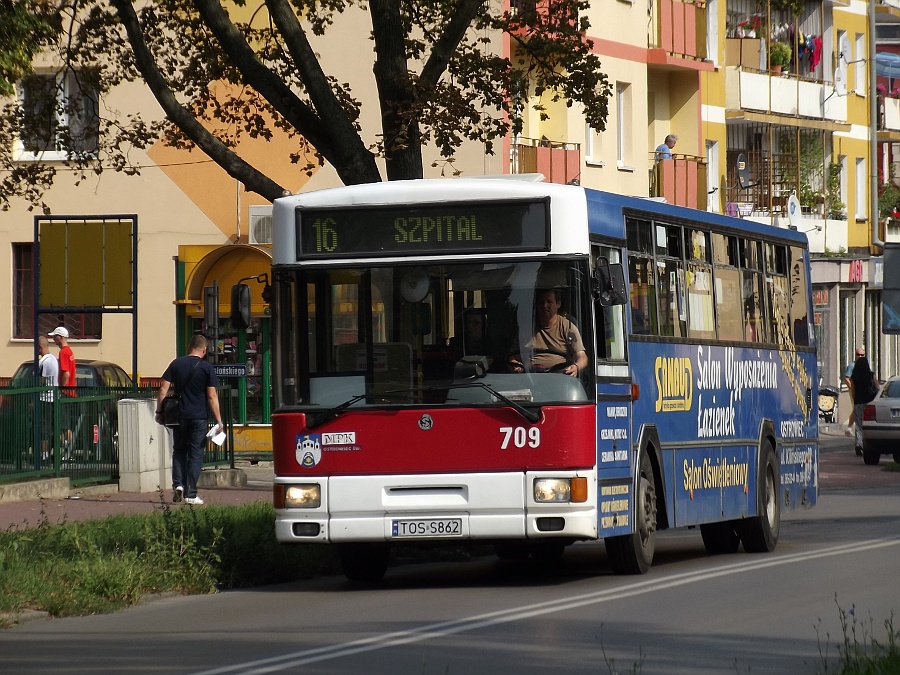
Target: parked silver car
x=881, y=424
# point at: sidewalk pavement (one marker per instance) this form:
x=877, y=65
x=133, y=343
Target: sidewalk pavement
x=242, y=485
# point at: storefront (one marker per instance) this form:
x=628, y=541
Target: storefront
x=245, y=350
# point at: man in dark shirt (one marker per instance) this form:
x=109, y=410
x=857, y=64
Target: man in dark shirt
x=195, y=382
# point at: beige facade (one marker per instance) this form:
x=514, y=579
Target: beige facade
x=674, y=68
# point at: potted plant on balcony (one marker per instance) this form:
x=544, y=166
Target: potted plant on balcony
x=779, y=56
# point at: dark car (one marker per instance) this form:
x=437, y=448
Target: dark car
x=88, y=373
x=881, y=423
x=90, y=426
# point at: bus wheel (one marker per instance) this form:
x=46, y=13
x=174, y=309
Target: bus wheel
x=720, y=538
x=633, y=553
x=364, y=561
x=759, y=534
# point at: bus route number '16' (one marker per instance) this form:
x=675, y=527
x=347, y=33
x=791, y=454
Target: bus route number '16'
x=326, y=235
x=520, y=437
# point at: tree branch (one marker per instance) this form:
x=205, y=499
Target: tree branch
x=354, y=162
x=446, y=45
x=253, y=180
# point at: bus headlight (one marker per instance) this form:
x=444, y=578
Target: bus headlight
x=552, y=490
x=303, y=496
x=560, y=490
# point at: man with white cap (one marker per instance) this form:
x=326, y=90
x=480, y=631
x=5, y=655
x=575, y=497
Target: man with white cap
x=60, y=336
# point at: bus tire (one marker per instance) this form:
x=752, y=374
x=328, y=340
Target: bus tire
x=364, y=561
x=633, y=553
x=720, y=538
x=759, y=534
x=871, y=454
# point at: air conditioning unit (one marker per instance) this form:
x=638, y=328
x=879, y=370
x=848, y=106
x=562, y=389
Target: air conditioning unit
x=260, y=225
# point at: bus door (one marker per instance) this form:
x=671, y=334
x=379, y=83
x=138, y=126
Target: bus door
x=614, y=395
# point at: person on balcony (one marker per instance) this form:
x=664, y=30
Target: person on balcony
x=664, y=150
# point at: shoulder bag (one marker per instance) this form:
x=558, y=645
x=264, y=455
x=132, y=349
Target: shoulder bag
x=170, y=410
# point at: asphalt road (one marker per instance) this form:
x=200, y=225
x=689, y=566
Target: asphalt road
x=693, y=613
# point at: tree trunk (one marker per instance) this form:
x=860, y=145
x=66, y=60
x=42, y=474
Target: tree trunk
x=399, y=116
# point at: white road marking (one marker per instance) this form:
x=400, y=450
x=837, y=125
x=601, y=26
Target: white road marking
x=442, y=629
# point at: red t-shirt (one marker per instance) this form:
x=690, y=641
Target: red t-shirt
x=67, y=365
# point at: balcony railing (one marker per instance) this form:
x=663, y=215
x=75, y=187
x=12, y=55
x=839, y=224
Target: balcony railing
x=680, y=181
x=783, y=95
x=679, y=27
x=559, y=162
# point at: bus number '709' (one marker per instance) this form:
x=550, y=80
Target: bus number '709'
x=520, y=437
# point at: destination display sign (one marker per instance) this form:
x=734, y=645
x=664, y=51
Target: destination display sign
x=437, y=229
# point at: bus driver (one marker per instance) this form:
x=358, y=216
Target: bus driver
x=556, y=345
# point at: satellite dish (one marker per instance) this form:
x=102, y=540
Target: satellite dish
x=840, y=78
x=743, y=171
x=844, y=55
x=793, y=211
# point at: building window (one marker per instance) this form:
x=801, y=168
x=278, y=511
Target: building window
x=81, y=326
x=591, y=145
x=859, y=57
x=623, y=124
x=61, y=115
x=861, y=187
x=848, y=328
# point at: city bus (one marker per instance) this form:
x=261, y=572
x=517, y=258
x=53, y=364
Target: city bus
x=415, y=403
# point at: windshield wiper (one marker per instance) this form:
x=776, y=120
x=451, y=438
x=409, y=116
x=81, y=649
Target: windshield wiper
x=318, y=419
x=314, y=420
x=532, y=416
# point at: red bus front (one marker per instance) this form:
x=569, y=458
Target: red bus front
x=415, y=402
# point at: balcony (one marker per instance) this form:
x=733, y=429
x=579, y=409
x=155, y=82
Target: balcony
x=680, y=181
x=559, y=162
x=677, y=34
x=888, y=119
x=754, y=95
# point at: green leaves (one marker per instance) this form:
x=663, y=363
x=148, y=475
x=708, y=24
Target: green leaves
x=25, y=27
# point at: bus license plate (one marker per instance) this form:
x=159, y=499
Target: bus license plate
x=433, y=527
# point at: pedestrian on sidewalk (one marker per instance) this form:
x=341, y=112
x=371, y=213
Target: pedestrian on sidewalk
x=67, y=378
x=195, y=382
x=48, y=370
x=864, y=388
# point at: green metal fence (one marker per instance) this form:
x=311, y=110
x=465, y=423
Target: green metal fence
x=44, y=434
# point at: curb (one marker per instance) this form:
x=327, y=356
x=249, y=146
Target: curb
x=61, y=488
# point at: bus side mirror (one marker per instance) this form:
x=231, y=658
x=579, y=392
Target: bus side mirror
x=240, y=306
x=608, y=285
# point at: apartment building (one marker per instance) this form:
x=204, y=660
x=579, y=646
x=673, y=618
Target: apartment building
x=772, y=102
x=749, y=139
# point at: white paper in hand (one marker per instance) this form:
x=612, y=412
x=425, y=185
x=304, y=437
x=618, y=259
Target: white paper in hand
x=217, y=438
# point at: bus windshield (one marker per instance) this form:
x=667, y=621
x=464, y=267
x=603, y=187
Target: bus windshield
x=426, y=333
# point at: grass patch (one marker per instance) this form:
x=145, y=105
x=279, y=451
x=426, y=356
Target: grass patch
x=100, y=566
x=861, y=651
x=892, y=466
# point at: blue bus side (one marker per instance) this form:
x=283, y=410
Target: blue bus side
x=713, y=407
x=707, y=408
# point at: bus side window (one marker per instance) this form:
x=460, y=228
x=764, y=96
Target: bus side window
x=610, y=319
